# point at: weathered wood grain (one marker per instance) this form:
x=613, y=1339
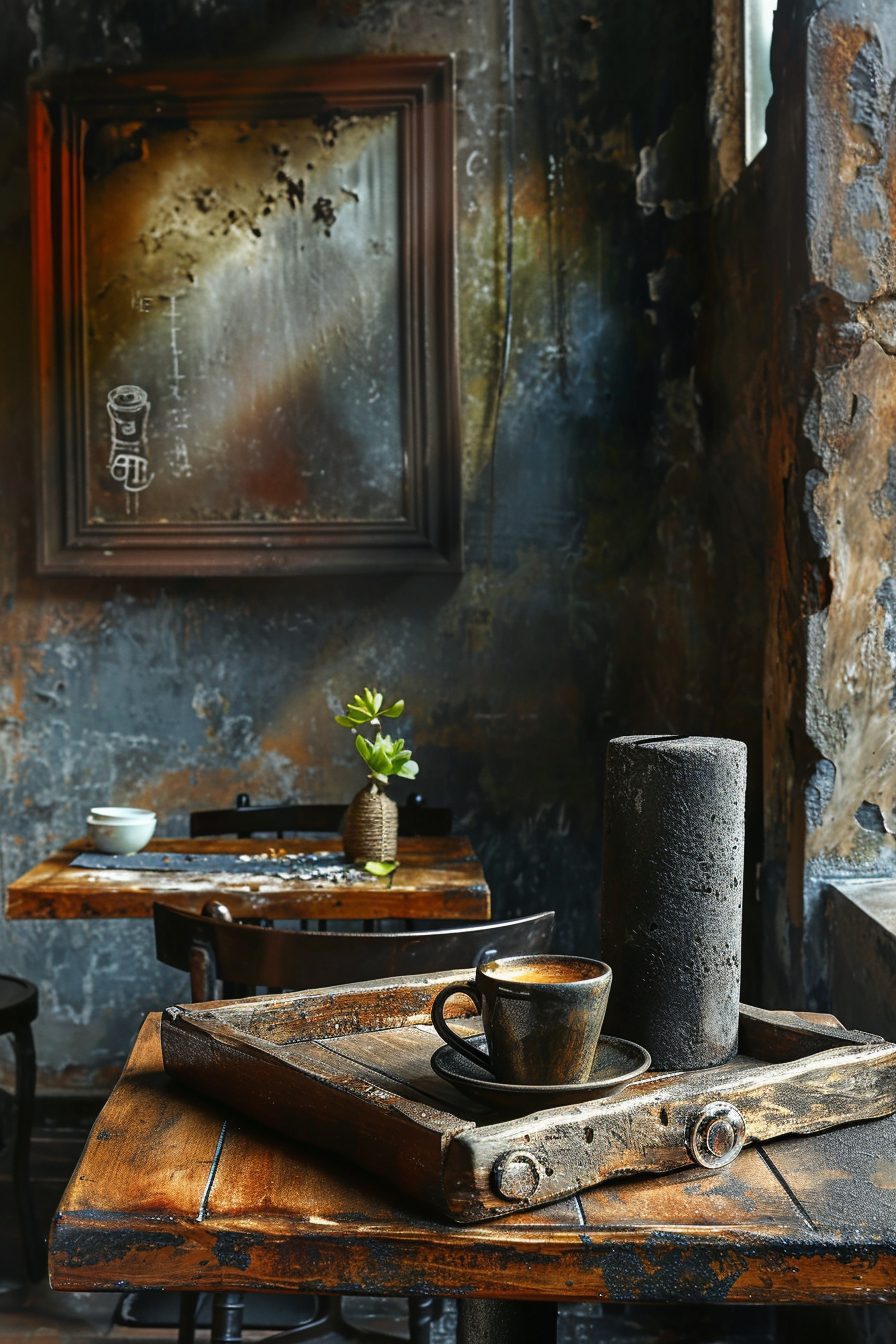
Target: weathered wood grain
x=576, y=1147
x=402, y=1057
x=437, y=878
x=123, y=1144
x=339, y=1105
x=342, y=1010
x=354, y=1061
x=275, y=1213
x=745, y=1194
x=781, y=1037
x=848, y=1177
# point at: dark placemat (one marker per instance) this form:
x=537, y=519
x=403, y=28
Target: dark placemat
x=301, y=867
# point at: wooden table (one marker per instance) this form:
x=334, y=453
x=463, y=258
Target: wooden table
x=437, y=878
x=174, y=1192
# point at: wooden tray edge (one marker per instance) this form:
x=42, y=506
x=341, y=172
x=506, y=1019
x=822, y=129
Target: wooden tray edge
x=804, y=1055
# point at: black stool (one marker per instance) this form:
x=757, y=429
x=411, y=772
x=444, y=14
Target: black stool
x=18, y=1009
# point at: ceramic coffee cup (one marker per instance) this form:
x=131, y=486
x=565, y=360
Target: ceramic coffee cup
x=542, y=1017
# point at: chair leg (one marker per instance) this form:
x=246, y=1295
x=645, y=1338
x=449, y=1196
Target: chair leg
x=422, y=1312
x=490, y=1321
x=35, y=1247
x=227, y=1318
x=188, y=1310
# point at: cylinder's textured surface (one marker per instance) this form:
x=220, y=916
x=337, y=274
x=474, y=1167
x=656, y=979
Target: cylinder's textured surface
x=672, y=895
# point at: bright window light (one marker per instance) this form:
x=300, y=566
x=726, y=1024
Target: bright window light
x=759, y=16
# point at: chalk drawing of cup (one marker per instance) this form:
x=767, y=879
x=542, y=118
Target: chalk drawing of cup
x=128, y=408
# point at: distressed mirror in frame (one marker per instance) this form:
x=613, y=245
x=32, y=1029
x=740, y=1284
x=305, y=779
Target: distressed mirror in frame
x=246, y=330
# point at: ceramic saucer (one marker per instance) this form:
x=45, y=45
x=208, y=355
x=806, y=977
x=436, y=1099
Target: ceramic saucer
x=616, y=1064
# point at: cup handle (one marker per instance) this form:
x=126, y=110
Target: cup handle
x=457, y=1042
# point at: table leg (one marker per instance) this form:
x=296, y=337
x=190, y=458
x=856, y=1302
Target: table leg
x=486, y=1320
x=227, y=1318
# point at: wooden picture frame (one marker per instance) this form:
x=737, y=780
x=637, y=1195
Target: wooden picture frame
x=184, y=448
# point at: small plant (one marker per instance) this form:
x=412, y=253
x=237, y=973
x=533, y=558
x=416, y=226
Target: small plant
x=370, y=833
x=383, y=756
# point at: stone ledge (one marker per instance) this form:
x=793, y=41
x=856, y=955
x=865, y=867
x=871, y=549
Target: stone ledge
x=861, y=924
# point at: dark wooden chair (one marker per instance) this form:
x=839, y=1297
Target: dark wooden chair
x=244, y=819
x=18, y=1009
x=212, y=948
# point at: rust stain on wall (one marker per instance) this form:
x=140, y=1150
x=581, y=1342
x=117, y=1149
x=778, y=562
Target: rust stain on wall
x=831, y=767
x=850, y=711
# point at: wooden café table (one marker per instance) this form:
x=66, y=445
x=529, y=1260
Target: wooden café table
x=438, y=878
x=175, y=1192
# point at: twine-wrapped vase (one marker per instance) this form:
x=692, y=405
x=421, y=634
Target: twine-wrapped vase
x=371, y=826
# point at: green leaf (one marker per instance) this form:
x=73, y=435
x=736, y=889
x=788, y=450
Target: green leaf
x=385, y=757
x=380, y=869
x=381, y=755
x=356, y=714
x=367, y=708
x=364, y=748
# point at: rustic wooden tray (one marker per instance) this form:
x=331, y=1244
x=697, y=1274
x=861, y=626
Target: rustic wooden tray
x=348, y=1069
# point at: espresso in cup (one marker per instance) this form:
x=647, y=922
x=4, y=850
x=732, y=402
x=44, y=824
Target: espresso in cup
x=542, y=1017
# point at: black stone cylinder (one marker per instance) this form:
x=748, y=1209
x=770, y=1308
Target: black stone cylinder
x=672, y=895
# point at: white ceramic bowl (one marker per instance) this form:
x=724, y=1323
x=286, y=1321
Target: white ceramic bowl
x=121, y=830
x=120, y=814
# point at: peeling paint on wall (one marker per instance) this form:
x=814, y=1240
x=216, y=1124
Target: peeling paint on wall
x=834, y=637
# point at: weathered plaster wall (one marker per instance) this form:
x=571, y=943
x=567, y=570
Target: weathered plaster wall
x=614, y=537
x=832, y=750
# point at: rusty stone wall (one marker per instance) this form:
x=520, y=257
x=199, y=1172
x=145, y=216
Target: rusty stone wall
x=830, y=757
x=614, y=563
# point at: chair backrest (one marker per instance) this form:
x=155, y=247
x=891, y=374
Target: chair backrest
x=244, y=820
x=214, y=948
